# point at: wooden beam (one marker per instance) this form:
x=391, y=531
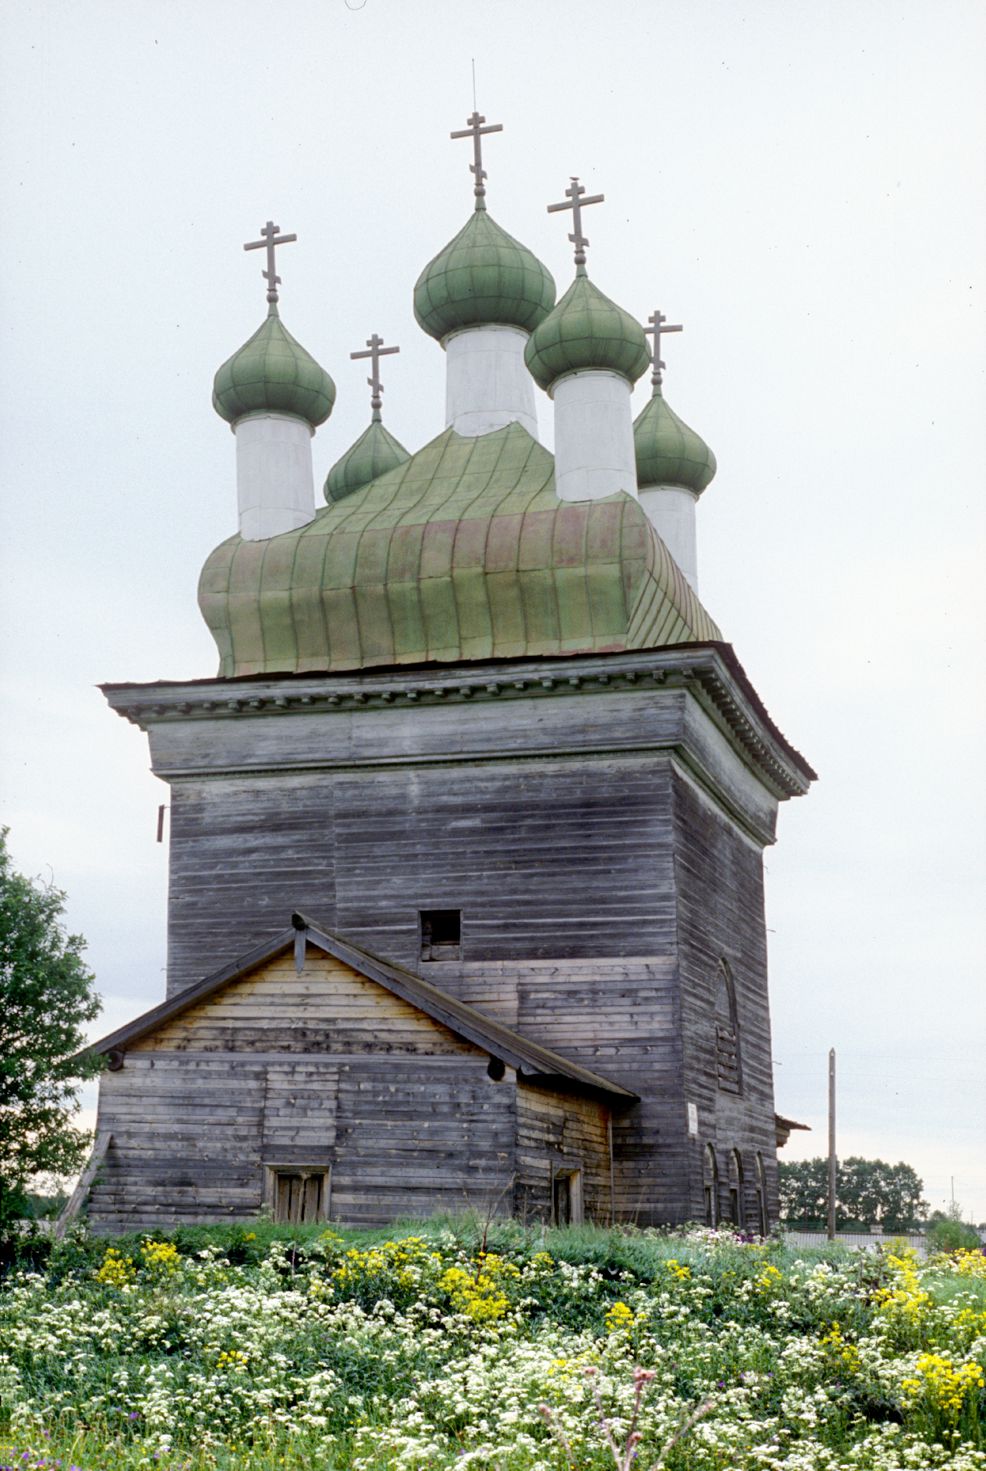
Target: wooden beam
x=81, y=1191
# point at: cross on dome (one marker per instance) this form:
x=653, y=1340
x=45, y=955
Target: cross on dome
x=477, y=132
x=376, y=351
x=577, y=204
x=656, y=330
x=270, y=239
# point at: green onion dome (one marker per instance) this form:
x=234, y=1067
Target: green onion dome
x=484, y=277
x=273, y=373
x=374, y=453
x=586, y=330
x=668, y=451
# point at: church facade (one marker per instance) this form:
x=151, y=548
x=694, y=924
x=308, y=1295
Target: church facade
x=466, y=837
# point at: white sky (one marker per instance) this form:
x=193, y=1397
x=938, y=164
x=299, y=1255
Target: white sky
x=800, y=184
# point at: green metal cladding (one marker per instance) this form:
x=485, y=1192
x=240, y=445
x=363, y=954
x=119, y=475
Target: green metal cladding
x=374, y=453
x=462, y=552
x=484, y=277
x=586, y=330
x=668, y=451
x=273, y=373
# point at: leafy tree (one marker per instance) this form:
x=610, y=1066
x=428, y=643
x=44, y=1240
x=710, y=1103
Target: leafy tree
x=873, y=1192
x=803, y=1186
x=46, y=997
x=948, y=1232
x=868, y=1192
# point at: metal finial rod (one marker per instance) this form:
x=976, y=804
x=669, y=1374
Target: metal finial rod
x=477, y=132
x=270, y=240
x=375, y=353
x=657, y=329
x=576, y=203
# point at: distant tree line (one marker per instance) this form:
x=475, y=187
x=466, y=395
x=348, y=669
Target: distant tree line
x=869, y=1192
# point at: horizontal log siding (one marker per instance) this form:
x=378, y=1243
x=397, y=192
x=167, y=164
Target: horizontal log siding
x=415, y=1138
x=719, y=881
x=186, y=1142
x=328, y=1008
x=554, y=858
x=597, y=890
x=245, y=852
x=555, y=1134
x=325, y=1067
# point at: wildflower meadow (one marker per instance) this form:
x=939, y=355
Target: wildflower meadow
x=507, y=1349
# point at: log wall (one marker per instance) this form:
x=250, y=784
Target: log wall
x=599, y=826
x=325, y=1068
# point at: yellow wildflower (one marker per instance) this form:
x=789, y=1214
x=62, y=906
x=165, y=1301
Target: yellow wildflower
x=116, y=1270
x=844, y=1354
x=968, y=1263
x=619, y=1318
x=161, y=1257
x=232, y=1361
x=941, y=1386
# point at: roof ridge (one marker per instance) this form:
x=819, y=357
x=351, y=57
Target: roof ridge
x=467, y=1022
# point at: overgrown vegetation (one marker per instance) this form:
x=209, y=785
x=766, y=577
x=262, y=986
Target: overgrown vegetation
x=424, y=1348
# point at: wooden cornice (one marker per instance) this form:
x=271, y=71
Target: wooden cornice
x=710, y=671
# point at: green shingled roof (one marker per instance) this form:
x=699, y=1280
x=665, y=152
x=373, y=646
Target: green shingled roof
x=374, y=453
x=668, y=451
x=462, y=552
x=586, y=330
x=272, y=372
x=484, y=277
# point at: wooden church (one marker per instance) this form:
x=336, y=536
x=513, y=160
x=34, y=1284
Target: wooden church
x=466, y=884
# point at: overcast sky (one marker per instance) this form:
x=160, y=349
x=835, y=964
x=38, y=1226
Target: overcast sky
x=801, y=185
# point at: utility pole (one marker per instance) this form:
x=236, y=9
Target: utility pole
x=832, y=1162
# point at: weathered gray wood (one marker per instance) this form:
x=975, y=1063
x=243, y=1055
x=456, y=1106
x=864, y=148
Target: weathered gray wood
x=80, y=1194
x=598, y=821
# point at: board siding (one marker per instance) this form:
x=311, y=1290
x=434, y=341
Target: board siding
x=325, y=1067
x=605, y=851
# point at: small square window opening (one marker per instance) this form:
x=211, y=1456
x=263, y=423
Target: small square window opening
x=441, y=932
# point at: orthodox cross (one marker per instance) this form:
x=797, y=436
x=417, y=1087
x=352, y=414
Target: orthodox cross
x=577, y=204
x=477, y=132
x=657, y=330
x=270, y=239
x=375, y=353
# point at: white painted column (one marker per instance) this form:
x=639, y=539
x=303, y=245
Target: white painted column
x=594, y=453
x=275, y=486
x=671, y=511
x=487, y=385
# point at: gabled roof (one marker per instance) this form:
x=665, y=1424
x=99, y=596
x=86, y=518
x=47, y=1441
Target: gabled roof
x=531, y=1061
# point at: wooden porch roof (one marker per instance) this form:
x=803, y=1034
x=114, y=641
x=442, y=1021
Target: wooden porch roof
x=532, y=1062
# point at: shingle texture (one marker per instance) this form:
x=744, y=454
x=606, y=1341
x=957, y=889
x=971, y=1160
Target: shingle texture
x=374, y=453
x=273, y=372
x=484, y=277
x=586, y=330
x=462, y=552
x=668, y=451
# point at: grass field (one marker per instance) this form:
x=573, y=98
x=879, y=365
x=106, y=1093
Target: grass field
x=266, y=1348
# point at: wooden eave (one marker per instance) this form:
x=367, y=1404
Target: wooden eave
x=532, y=1062
x=783, y=1128
x=710, y=668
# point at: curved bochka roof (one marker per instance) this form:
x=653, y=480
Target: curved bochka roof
x=464, y=552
